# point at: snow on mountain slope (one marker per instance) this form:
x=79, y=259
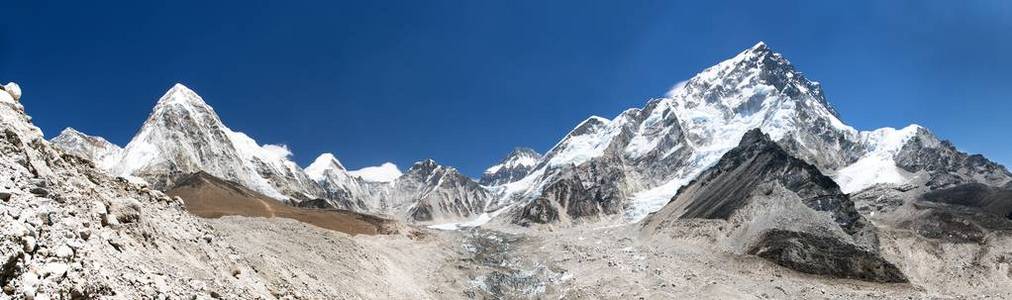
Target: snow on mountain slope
x=184, y=135
x=95, y=148
x=386, y=172
x=878, y=165
x=343, y=190
x=586, y=141
x=671, y=140
x=513, y=167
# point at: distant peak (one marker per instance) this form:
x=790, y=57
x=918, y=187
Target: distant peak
x=425, y=164
x=524, y=151
x=323, y=163
x=69, y=131
x=329, y=160
x=760, y=46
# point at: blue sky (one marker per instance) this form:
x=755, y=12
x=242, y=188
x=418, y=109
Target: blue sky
x=465, y=81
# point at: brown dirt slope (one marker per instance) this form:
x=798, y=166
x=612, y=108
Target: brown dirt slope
x=211, y=197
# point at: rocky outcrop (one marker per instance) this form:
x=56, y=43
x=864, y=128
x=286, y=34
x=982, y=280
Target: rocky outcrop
x=12, y=89
x=783, y=209
x=816, y=254
x=72, y=232
x=948, y=167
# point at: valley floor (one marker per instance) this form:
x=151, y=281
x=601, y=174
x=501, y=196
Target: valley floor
x=293, y=260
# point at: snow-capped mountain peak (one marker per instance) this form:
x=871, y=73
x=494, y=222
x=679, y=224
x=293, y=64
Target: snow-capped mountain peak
x=322, y=164
x=180, y=94
x=425, y=168
x=184, y=135
x=517, y=164
x=95, y=148
x=671, y=140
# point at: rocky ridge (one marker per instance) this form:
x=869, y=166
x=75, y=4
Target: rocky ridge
x=783, y=209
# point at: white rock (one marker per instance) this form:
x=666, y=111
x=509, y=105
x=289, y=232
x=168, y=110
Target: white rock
x=17, y=229
x=29, y=243
x=14, y=90
x=64, y=251
x=29, y=284
x=55, y=269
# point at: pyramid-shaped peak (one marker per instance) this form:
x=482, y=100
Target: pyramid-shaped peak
x=323, y=163
x=328, y=160
x=181, y=94
x=760, y=54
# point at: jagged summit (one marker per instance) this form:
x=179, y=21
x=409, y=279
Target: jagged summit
x=426, y=166
x=517, y=164
x=756, y=66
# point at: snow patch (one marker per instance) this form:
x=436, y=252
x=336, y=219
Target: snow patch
x=480, y=220
x=386, y=172
x=576, y=149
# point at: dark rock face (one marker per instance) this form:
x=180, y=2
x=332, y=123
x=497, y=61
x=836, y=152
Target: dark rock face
x=316, y=203
x=965, y=213
x=590, y=189
x=516, y=165
x=814, y=254
x=756, y=160
x=996, y=201
x=947, y=166
x=752, y=186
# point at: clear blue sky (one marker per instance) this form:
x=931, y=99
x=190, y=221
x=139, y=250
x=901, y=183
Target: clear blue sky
x=465, y=81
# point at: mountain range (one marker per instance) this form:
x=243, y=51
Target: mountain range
x=618, y=169
x=741, y=181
